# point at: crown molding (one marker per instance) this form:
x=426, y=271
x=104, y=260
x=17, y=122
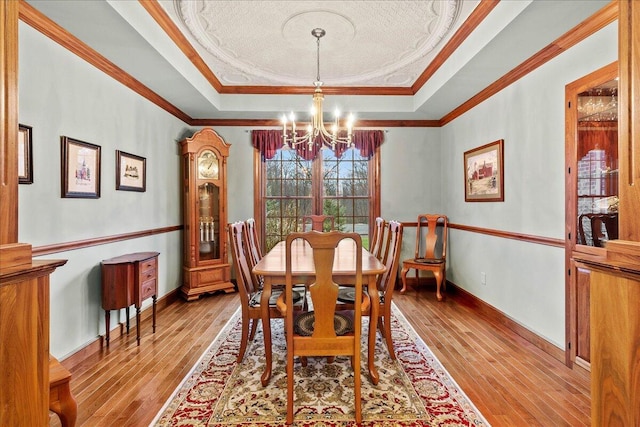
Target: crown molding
x=594, y=23
x=41, y=23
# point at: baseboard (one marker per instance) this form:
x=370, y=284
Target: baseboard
x=98, y=344
x=496, y=316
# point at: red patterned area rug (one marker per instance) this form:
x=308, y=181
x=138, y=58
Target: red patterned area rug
x=414, y=390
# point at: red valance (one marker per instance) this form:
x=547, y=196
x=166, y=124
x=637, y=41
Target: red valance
x=268, y=141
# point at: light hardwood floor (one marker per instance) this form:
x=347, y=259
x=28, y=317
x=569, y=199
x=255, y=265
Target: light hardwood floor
x=511, y=382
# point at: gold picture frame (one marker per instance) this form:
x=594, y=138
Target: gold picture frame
x=484, y=173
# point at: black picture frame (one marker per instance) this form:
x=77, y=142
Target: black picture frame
x=25, y=154
x=131, y=172
x=80, y=169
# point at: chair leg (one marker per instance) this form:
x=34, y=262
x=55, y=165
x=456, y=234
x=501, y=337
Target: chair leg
x=403, y=275
x=254, y=327
x=438, y=276
x=356, y=392
x=66, y=407
x=61, y=401
x=289, y=387
x=385, y=328
x=244, y=336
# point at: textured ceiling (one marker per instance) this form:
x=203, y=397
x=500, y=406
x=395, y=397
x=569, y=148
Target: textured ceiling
x=367, y=43
x=371, y=44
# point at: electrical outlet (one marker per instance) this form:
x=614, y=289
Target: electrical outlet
x=483, y=278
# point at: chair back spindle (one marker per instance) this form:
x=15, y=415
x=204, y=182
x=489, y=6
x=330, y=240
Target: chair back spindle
x=255, y=249
x=244, y=277
x=375, y=247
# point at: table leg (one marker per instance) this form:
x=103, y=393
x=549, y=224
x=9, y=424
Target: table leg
x=372, y=289
x=107, y=321
x=127, y=309
x=138, y=324
x=266, y=329
x=154, y=314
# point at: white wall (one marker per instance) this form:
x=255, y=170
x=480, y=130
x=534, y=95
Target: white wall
x=60, y=94
x=525, y=281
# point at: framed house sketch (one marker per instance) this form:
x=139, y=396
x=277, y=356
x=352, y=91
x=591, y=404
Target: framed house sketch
x=80, y=168
x=131, y=172
x=484, y=173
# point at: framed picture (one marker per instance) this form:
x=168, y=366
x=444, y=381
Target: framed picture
x=484, y=173
x=80, y=169
x=131, y=172
x=25, y=159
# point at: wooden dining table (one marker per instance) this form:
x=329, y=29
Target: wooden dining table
x=272, y=268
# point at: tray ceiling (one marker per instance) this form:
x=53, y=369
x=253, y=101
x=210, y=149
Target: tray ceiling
x=375, y=45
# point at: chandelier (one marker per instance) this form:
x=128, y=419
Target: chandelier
x=316, y=130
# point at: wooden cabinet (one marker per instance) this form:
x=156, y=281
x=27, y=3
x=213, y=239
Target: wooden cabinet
x=129, y=280
x=592, y=190
x=615, y=335
x=24, y=337
x=206, y=266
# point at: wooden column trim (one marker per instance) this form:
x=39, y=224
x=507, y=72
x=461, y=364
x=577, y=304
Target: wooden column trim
x=9, y=123
x=629, y=117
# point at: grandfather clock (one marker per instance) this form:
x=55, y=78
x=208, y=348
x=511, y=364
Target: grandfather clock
x=204, y=182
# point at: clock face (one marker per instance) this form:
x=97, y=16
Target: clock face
x=208, y=165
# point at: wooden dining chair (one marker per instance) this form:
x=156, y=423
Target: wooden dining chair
x=323, y=331
x=250, y=290
x=601, y=227
x=431, y=251
x=255, y=249
x=375, y=245
x=318, y=222
x=386, y=283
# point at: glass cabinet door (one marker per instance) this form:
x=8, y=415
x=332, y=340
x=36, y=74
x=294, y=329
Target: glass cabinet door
x=597, y=165
x=209, y=215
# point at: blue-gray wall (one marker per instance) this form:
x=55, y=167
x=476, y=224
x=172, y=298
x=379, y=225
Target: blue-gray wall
x=421, y=172
x=523, y=280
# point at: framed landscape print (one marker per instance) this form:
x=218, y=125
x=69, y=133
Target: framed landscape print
x=484, y=173
x=25, y=159
x=80, y=169
x=131, y=172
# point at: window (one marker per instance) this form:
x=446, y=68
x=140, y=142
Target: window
x=290, y=187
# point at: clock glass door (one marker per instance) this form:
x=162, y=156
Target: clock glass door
x=209, y=213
